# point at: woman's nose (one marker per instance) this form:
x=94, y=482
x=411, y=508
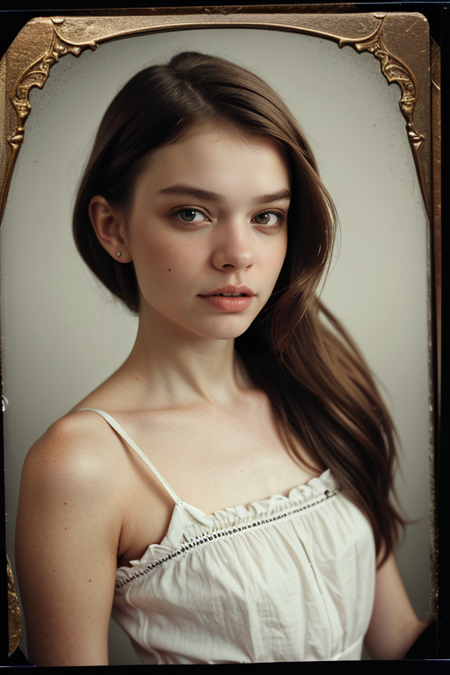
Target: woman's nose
x=233, y=248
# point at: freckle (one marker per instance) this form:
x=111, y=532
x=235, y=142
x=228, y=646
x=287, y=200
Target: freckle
x=65, y=503
x=65, y=528
x=136, y=378
x=90, y=580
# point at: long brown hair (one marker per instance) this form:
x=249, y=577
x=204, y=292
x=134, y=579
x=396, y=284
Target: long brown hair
x=321, y=388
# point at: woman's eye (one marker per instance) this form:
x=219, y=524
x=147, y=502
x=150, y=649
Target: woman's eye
x=268, y=218
x=190, y=215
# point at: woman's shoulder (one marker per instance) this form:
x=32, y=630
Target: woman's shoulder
x=68, y=529
x=71, y=483
x=75, y=450
x=77, y=428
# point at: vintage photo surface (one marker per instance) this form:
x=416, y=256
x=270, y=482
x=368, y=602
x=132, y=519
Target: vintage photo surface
x=62, y=333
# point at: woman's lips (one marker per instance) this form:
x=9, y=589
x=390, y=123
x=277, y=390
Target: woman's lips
x=228, y=304
x=229, y=298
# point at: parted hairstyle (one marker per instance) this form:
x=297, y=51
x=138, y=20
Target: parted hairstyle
x=321, y=389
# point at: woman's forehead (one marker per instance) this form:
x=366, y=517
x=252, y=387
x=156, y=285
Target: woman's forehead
x=211, y=153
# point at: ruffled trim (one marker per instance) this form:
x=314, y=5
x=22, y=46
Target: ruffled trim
x=189, y=526
x=198, y=522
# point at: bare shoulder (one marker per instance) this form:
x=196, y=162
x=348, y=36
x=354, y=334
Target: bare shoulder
x=77, y=443
x=75, y=460
x=67, y=535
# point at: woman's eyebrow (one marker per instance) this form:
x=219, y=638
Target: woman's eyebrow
x=192, y=192
x=189, y=191
x=274, y=197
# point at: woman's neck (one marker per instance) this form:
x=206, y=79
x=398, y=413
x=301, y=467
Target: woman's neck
x=173, y=368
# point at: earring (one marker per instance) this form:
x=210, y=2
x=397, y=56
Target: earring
x=119, y=254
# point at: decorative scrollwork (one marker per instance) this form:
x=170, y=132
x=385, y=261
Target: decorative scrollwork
x=394, y=70
x=36, y=76
x=14, y=615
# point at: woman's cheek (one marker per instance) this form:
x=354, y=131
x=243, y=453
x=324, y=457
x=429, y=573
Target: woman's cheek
x=183, y=260
x=275, y=259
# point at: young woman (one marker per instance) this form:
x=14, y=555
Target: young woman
x=225, y=493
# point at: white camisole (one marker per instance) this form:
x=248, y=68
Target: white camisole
x=282, y=579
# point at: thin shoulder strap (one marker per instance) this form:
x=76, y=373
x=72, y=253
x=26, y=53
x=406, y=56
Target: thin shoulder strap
x=123, y=434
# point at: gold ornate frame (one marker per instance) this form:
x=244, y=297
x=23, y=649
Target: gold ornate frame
x=387, y=36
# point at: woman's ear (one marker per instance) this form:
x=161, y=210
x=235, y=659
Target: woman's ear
x=109, y=227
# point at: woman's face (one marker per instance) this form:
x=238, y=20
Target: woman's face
x=209, y=219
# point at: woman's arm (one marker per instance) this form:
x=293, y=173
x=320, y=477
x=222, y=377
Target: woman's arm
x=394, y=626
x=67, y=535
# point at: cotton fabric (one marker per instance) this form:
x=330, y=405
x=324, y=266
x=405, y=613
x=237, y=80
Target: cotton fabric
x=281, y=579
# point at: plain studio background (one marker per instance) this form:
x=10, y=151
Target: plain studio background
x=63, y=334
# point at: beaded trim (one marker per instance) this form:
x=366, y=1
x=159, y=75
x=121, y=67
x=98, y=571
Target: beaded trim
x=194, y=542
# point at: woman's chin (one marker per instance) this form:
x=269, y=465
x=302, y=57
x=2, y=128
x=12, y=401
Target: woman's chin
x=225, y=328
